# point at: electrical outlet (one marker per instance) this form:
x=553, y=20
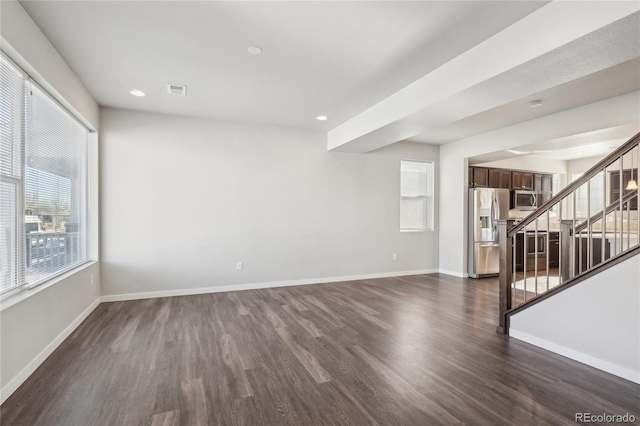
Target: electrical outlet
x=91, y=278
x=239, y=266
x=395, y=256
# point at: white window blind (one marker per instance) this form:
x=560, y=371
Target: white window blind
x=44, y=212
x=416, y=195
x=12, y=108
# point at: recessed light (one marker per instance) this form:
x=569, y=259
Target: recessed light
x=254, y=50
x=322, y=117
x=137, y=93
x=536, y=103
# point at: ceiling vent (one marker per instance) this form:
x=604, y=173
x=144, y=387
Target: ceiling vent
x=176, y=89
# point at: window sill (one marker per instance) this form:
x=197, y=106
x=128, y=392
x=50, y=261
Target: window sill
x=11, y=299
x=416, y=230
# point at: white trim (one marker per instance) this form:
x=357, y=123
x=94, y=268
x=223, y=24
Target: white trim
x=453, y=273
x=600, y=364
x=9, y=299
x=255, y=286
x=23, y=375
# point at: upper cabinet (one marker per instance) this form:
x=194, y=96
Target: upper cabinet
x=482, y=177
x=499, y=178
x=522, y=180
x=479, y=177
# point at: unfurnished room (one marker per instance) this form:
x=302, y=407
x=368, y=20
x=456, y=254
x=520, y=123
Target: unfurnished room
x=319, y=212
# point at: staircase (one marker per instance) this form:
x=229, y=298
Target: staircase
x=592, y=223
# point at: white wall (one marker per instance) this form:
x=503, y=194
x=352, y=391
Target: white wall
x=27, y=46
x=581, y=165
x=184, y=199
x=34, y=327
x=34, y=323
x=608, y=113
x=596, y=321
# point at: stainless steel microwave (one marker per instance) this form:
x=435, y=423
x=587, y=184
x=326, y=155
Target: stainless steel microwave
x=525, y=200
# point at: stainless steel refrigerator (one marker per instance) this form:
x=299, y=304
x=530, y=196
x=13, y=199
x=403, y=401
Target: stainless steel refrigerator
x=486, y=206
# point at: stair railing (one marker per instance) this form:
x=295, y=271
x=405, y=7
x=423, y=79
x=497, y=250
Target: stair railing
x=591, y=222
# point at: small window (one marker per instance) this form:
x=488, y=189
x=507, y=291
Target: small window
x=416, y=195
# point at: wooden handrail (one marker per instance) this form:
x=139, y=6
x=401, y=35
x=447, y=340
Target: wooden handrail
x=606, y=161
x=506, y=233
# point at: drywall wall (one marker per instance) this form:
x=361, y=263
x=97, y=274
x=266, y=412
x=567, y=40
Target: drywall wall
x=185, y=199
x=28, y=47
x=33, y=328
x=596, y=322
x=613, y=112
x=580, y=166
x=36, y=321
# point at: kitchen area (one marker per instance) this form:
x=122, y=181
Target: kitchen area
x=496, y=193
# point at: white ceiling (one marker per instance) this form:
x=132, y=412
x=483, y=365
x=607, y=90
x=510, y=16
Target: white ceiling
x=331, y=58
x=585, y=145
x=342, y=59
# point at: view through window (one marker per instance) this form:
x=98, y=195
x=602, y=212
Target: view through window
x=43, y=184
x=589, y=197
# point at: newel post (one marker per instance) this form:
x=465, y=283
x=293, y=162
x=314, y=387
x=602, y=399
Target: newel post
x=566, y=237
x=506, y=271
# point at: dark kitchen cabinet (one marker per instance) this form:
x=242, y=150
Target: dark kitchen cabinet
x=516, y=180
x=614, y=186
x=505, y=179
x=519, y=249
x=480, y=177
x=522, y=180
x=554, y=249
x=581, y=252
x=494, y=178
x=499, y=178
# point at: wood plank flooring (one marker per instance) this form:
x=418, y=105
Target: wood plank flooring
x=419, y=350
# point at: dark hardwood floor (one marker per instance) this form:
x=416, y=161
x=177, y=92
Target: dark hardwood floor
x=419, y=350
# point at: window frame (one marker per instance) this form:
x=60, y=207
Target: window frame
x=429, y=197
x=20, y=267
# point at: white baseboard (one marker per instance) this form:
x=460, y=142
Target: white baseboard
x=453, y=273
x=616, y=370
x=19, y=379
x=255, y=286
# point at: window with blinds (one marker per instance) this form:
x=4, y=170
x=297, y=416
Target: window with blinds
x=416, y=195
x=43, y=184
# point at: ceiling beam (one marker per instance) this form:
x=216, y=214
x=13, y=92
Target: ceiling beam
x=468, y=84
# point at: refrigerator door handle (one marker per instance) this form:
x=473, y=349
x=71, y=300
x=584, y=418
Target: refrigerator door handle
x=494, y=216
